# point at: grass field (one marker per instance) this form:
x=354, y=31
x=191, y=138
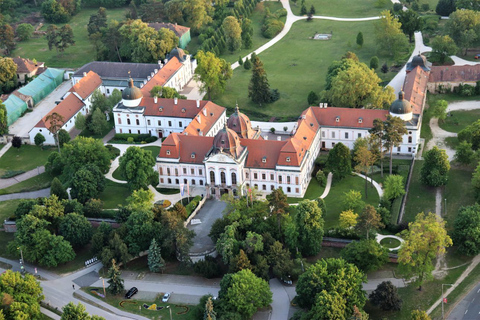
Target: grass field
x=39, y=182
x=314, y=191
x=458, y=192
x=7, y=208
x=26, y=158
x=300, y=60
x=459, y=120
x=5, y=238
x=114, y=194
x=153, y=149
x=75, y=56
x=343, y=8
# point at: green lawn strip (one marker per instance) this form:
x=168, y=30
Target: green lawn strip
x=390, y=243
x=458, y=192
x=257, y=38
x=155, y=150
x=342, y=8
x=7, y=208
x=420, y=197
x=452, y=142
x=400, y=167
x=314, y=191
x=5, y=238
x=39, y=182
x=173, y=266
x=458, y=120
x=118, y=175
x=114, y=194
x=334, y=199
x=26, y=158
x=75, y=56
x=300, y=60
x=105, y=131
x=132, y=305
x=426, y=131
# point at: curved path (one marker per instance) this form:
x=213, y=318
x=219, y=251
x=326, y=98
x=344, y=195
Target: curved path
x=5, y=183
x=375, y=183
x=26, y=195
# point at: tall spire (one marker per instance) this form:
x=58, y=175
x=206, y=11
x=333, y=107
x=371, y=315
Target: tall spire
x=236, y=107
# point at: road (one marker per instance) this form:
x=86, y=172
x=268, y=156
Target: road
x=469, y=307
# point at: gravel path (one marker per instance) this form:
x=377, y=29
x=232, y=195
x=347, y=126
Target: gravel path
x=5, y=183
x=26, y=195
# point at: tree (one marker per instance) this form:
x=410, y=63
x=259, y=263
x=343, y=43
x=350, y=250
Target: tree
x=52, y=37
x=63, y=137
x=443, y=46
x=464, y=153
x=77, y=312
x=233, y=33
x=364, y=158
x=471, y=134
x=7, y=38
x=4, y=118
x=388, y=34
x=393, y=187
x=247, y=65
x=339, y=161
x=445, y=7
x=39, y=139
x=54, y=12
x=410, y=22
x=98, y=123
x=76, y=229
x=369, y=219
x=468, y=4
x=16, y=142
x=308, y=225
x=277, y=200
x=155, y=260
x=258, y=88
x=394, y=129
x=65, y=38
x=367, y=255
x=420, y=315
x=312, y=10
x=386, y=297
x=142, y=200
x=312, y=98
x=54, y=123
x=24, y=31
x=80, y=122
x=279, y=258
x=58, y=189
x=198, y=13
x=425, y=239
x=209, y=313
x=245, y=293
x=332, y=275
x=374, y=62
x=212, y=72
x=352, y=200
x=348, y=219
x=82, y=151
x=21, y=296
x=328, y=305
x=303, y=9
x=97, y=21
x=435, y=168
x=439, y=110
x=464, y=27
x=87, y=183
x=360, y=39
x=240, y=262
x=8, y=81
x=466, y=233
x=136, y=165
x=115, y=282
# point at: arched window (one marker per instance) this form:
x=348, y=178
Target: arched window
x=212, y=177
x=409, y=139
x=223, y=177
x=234, y=178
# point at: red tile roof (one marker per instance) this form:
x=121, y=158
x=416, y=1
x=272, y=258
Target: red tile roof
x=182, y=146
x=162, y=76
x=168, y=108
x=67, y=109
x=415, y=88
x=455, y=73
x=87, y=85
x=259, y=149
x=348, y=117
x=202, y=123
x=177, y=29
x=26, y=65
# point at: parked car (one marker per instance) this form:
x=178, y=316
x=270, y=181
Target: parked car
x=131, y=292
x=166, y=296
x=477, y=56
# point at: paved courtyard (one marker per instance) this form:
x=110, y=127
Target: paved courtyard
x=211, y=211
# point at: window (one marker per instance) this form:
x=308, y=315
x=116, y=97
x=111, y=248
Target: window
x=279, y=179
x=296, y=180
x=272, y=188
x=409, y=149
x=177, y=181
x=184, y=170
x=410, y=139
x=255, y=176
x=169, y=123
x=288, y=159
x=346, y=135
x=128, y=121
x=148, y=122
x=138, y=131
x=185, y=181
x=168, y=171
x=223, y=177
x=333, y=135
x=169, y=181
x=193, y=182
x=121, y=131
x=119, y=121
x=289, y=189
x=398, y=149
x=176, y=172
x=212, y=177
x=161, y=170
x=264, y=176
x=359, y=135
x=161, y=180
x=264, y=187
x=168, y=152
x=234, y=178
x=333, y=144
x=246, y=175
x=296, y=190
x=129, y=131
x=108, y=90
x=272, y=177
x=200, y=171
x=201, y=182
x=323, y=134
x=137, y=122
x=288, y=179
x=180, y=124
x=159, y=123
x=192, y=171
x=264, y=159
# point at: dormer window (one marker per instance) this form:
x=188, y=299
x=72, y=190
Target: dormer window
x=183, y=110
x=168, y=152
x=223, y=141
x=211, y=114
x=337, y=119
x=193, y=155
x=360, y=120
x=160, y=109
x=288, y=159
x=264, y=159
x=304, y=138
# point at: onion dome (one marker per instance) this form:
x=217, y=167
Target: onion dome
x=241, y=124
x=131, y=95
x=401, y=108
x=179, y=53
x=227, y=141
x=418, y=61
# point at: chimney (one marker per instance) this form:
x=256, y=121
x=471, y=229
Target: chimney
x=175, y=100
x=84, y=74
x=166, y=60
x=141, y=85
x=325, y=105
x=265, y=137
x=148, y=78
x=144, y=81
x=155, y=99
x=198, y=103
x=159, y=62
x=155, y=71
x=199, y=119
x=152, y=74
x=320, y=105
x=201, y=133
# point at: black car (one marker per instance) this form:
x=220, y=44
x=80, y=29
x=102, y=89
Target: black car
x=131, y=292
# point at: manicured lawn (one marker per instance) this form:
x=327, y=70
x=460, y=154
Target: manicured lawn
x=458, y=192
x=7, y=208
x=114, y=194
x=399, y=167
x=39, y=182
x=314, y=191
x=325, y=252
x=342, y=8
x=257, y=38
x=26, y=158
x=75, y=56
x=132, y=306
x=452, y=142
x=390, y=243
x=420, y=198
x=302, y=61
x=334, y=200
x=5, y=238
x=153, y=149
x=458, y=120
x=117, y=175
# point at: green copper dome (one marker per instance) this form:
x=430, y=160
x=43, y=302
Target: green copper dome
x=131, y=92
x=401, y=106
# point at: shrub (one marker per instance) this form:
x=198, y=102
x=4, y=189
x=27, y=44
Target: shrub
x=274, y=95
x=93, y=208
x=130, y=140
x=384, y=68
x=114, y=152
x=151, y=139
x=271, y=28
x=208, y=268
x=397, y=7
x=425, y=7
x=321, y=178
x=374, y=62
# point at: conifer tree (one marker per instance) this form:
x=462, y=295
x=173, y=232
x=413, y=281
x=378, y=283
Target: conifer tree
x=155, y=260
x=259, y=89
x=115, y=282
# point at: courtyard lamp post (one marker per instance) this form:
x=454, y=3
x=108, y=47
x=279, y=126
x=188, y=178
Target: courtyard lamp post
x=443, y=298
x=168, y=307
x=22, y=264
x=103, y=282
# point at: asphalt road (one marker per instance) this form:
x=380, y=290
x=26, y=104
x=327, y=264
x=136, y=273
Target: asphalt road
x=469, y=307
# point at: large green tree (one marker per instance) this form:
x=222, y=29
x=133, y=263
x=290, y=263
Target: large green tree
x=377, y=138
x=24, y=31
x=77, y=312
x=365, y=158
x=425, y=239
x=393, y=187
x=76, y=229
x=464, y=28
x=115, y=282
x=466, y=233
x=82, y=151
x=233, y=33
x=435, y=168
x=258, y=88
x=87, y=183
x=386, y=297
x=97, y=21
x=136, y=165
x=468, y=4
x=367, y=255
x=197, y=13
x=3, y=119
x=278, y=202
x=339, y=161
x=395, y=129
x=410, y=22
x=389, y=36
x=443, y=46
x=445, y=7
x=7, y=38
x=98, y=122
x=212, y=72
x=369, y=220
x=155, y=260
x=8, y=81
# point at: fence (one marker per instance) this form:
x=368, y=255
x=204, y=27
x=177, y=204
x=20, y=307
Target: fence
x=342, y=243
x=405, y=196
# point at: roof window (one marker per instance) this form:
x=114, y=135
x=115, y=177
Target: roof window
x=264, y=159
x=360, y=120
x=183, y=110
x=223, y=141
x=168, y=152
x=193, y=155
x=337, y=119
x=160, y=109
x=288, y=159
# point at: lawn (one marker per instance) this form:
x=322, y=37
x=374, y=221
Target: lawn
x=390, y=243
x=314, y=191
x=458, y=120
x=117, y=175
x=334, y=199
x=420, y=198
x=39, y=182
x=26, y=158
x=7, y=208
x=5, y=238
x=114, y=194
x=82, y=255
x=257, y=38
x=343, y=8
x=303, y=61
x=458, y=192
x=73, y=57
x=155, y=150
x=133, y=306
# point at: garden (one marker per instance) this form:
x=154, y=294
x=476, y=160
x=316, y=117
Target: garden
x=27, y=157
x=343, y=8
